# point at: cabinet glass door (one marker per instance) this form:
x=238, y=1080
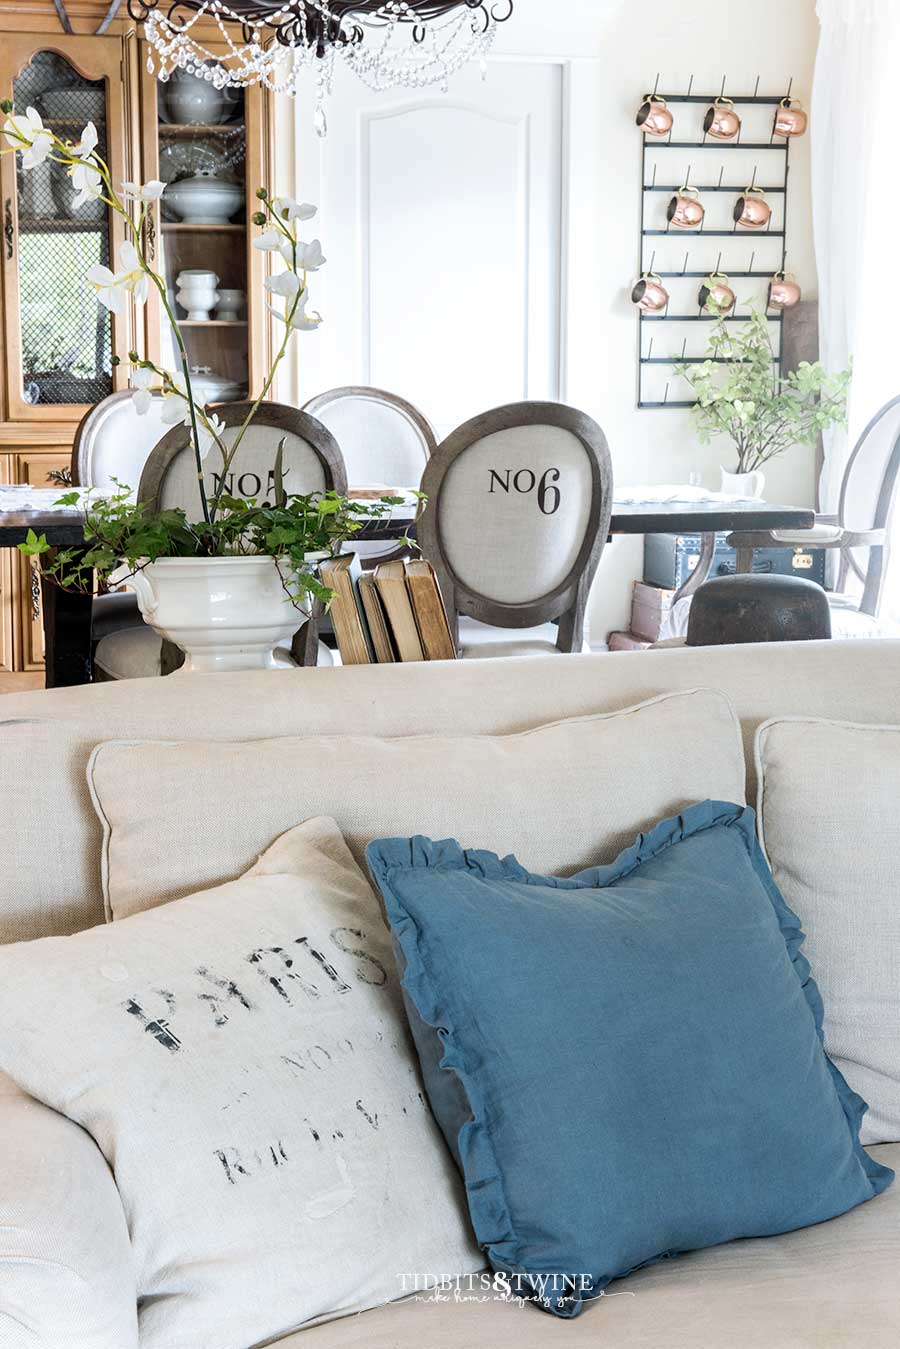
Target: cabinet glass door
x=61, y=341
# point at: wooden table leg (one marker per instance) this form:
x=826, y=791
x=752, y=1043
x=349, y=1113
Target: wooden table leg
x=67, y=636
x=702, y=569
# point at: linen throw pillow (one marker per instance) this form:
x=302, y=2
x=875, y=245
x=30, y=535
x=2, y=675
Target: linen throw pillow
x=637, y=1051
x=561, y=797
x=828, y=797
x=241, y=1059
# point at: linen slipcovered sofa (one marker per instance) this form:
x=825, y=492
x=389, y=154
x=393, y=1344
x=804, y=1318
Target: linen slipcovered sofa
x=61, y=1222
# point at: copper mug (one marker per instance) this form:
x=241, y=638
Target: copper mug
x=716, y=295
x=721, y=121
x=649, y=293
x=790, y=119
x=686, y=210
x=654, y=116
x=752, y=211
x=784, y=291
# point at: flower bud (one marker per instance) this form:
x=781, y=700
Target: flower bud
x=262, y=193
x=258, y=218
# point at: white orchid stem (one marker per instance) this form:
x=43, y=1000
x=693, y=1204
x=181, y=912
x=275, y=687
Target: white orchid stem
x=229, y=457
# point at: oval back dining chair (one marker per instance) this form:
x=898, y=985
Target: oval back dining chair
x=860, y=531
x=385, y=441
x=312, y=462
x=518, y=513
x=383, y=438
x=113, y=442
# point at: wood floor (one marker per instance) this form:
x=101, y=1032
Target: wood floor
x=21, y=683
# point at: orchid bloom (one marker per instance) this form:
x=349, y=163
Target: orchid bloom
x=177, y=406
x=132, y=277
x=289, y=210
x=271, y=241
x=141, y=382
x=87, y=182
x=286, y=284
x=301, y=321
x=310, y=256
x=208, y=432
x=112, y=287
x=106, y=285
x=29, y=135
x=143, y=193
x=88, y=143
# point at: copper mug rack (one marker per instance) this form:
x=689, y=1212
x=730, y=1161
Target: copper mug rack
x=722, y=129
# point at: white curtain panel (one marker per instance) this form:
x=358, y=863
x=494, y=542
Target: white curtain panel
x=856, y=209
x=856, y=200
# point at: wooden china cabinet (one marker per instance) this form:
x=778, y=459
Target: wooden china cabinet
x=56, y=343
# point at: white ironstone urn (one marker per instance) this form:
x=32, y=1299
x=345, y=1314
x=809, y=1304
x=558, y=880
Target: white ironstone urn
x=226, y=613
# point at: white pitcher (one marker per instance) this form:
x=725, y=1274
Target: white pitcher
x=743, y=484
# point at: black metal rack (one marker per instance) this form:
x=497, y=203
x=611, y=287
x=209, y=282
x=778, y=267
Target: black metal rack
x=649, y=147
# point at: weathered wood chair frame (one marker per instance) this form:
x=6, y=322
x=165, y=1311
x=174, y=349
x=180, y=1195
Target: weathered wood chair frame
x=876, y=540
x=280, y=419
x=568, y=600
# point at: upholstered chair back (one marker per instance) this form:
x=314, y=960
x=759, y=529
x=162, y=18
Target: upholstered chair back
x=114, y=442
x=311, y=461
x=519, y=503
x=383, y=438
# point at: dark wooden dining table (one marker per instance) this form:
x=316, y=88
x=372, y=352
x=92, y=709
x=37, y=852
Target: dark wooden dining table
x=67, y=616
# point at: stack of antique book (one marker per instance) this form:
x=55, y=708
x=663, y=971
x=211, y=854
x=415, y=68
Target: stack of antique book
x=394, y=613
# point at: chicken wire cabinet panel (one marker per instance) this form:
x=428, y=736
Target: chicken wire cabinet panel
x=59, y=343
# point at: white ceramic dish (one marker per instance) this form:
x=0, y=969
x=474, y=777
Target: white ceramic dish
x=202, y=200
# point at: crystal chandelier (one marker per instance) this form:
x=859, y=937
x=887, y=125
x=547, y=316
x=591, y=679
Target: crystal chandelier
x=388, y=44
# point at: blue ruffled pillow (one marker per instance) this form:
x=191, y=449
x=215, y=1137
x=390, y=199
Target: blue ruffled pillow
x=629, y=1063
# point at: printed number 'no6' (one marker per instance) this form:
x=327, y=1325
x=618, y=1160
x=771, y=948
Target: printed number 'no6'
x=524, y=481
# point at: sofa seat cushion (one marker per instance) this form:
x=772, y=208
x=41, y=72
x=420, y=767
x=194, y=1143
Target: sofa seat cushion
x=562, y=797
x=826, y=1287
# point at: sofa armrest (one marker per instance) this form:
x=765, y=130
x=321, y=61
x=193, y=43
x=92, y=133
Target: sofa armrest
x=67, y=1278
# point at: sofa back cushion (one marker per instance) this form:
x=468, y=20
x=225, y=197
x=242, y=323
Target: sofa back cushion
x=49, y=841
x=180, y=816
x=828, y=799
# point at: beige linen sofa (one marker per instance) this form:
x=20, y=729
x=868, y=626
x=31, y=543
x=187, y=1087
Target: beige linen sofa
x=832, y=1286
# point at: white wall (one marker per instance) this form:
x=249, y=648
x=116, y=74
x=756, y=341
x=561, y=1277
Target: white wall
x=612, y=51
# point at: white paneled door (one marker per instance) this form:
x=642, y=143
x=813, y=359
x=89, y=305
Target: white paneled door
x=441, y=218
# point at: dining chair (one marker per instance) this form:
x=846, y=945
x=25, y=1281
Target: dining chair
x=385, y=440
x=860, y=531
x=518, y=513
x=312, y=462
x=112, y=443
